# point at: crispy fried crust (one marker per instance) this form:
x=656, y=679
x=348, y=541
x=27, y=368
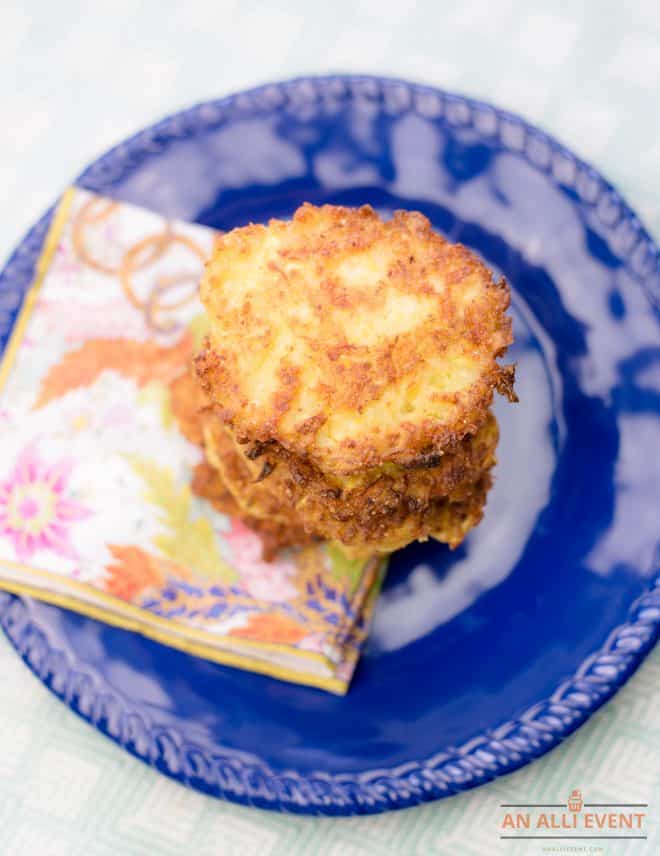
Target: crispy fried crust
x=187, y=402
x=290, y=480
x=447, y=519
x=190, y=409
x=275, y=536
x=371, y=529
x=350, y=342
x=377, y=514
x=254, y=496
x=207, y=483
x=289, y=502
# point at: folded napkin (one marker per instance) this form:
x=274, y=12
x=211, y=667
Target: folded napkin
x=97, y=507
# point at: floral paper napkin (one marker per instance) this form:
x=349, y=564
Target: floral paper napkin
x=97, y=513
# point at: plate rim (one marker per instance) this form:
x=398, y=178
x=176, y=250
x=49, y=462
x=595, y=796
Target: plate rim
x=245, y=778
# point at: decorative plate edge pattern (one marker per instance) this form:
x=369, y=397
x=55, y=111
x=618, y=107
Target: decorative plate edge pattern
x=246, y=779
x=590, y=190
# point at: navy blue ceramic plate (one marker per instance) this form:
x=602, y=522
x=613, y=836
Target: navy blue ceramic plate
x=482, y=659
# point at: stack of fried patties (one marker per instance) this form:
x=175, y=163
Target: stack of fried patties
x=345, y=388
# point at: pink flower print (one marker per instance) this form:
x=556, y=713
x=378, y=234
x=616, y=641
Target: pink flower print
x=35, y=513
x=270, y=581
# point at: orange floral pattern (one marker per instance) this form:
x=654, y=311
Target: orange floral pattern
x=141, y=361
x=275, y=629
x=133, y=571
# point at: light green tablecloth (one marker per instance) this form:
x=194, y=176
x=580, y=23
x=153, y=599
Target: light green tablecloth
x=77, y=77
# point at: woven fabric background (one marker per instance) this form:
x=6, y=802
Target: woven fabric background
x=77, y=77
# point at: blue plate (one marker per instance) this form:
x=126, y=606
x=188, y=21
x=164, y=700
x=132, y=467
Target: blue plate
x=481, y=659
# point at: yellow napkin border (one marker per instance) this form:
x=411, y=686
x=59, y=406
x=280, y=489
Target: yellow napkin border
x=43, y=263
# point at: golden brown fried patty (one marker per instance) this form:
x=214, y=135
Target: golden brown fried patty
x=344, y=391
x=188, y=402
x=382, y=513
x=351, y=342
x=275, y=536
x=365, y=518
x=190, y=409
